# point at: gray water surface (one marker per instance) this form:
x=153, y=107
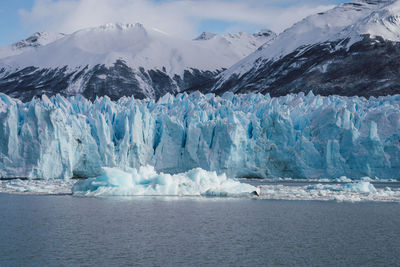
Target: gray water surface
x=70, y=231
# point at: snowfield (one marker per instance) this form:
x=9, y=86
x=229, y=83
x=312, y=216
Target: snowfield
x=296, y=136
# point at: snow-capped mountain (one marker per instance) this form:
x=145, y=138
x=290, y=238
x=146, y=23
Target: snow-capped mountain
x=34, y=41
x=122, y=59
x=352, y=49
x=205, y=36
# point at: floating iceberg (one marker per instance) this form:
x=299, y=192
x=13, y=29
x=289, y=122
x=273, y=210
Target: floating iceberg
x=147, y=182
x=295, y=136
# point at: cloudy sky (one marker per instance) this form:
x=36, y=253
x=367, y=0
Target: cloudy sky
x=183, y=18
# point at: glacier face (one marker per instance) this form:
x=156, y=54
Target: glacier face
x=297, y=136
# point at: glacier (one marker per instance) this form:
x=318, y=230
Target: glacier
x=252, y=135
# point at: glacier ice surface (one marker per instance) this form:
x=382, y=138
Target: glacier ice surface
x=145, y=181
x=253, y=135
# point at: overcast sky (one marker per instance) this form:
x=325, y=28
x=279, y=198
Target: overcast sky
x=183, y=18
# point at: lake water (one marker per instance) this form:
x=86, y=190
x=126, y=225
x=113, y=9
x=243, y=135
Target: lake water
x=63, y=230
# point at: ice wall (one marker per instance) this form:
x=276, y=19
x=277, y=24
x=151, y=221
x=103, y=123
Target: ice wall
x=250, y=135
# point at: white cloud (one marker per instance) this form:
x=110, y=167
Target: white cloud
x=177, y=17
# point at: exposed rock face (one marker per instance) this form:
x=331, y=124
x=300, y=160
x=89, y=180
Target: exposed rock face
x=116, y=81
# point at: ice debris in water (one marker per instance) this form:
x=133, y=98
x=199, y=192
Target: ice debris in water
x=361, y=187
x=41, y=187
x=145, y=181
x=253, y=135
x=349, y=192
x=127, y=183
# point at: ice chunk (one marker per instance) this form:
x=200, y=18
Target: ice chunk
x=146, y=181
x=343, y=179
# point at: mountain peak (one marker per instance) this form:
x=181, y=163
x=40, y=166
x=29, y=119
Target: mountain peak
x=32, y=42
x=348, y=21
x=120, y=26
x=265, y=33
x=376, y=2
x=205, y=36
x=38, y=39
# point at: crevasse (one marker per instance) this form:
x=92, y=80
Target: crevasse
x=296, y=136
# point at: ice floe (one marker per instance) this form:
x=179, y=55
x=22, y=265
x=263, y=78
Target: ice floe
x=146, y=181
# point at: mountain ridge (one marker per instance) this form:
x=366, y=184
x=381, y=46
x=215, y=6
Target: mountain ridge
x=124, y=58
x=34, y=41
